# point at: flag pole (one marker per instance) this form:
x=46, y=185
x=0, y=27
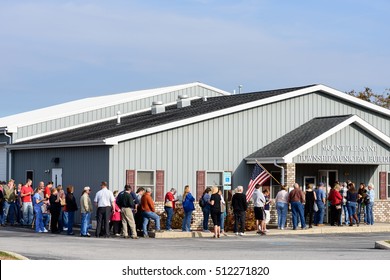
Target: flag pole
x=268, y=172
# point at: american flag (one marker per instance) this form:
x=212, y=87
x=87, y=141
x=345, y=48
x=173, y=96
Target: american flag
x=259, y=176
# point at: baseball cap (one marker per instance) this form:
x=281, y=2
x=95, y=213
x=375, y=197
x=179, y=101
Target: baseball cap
x=87, y=188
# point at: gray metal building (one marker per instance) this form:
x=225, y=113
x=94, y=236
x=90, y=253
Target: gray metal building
x=315, y=133
x=79, y=113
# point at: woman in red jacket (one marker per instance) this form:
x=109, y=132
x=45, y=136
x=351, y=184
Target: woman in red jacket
x=335, y=200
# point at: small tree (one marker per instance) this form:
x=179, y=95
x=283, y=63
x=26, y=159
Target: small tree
x=367, y=94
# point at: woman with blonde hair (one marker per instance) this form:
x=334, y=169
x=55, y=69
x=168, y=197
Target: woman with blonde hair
x=189, y=207
x=215, y=210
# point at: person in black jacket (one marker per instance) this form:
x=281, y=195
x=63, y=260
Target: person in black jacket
x=239, y=205
x=126, y=202
x=71, y=207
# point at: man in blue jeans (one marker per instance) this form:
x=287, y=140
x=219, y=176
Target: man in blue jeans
x=147, y=205
x=321, y=199
x=296, y=199
x=370, y=205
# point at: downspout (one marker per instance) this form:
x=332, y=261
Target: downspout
x=8, y=155
x=282, y=175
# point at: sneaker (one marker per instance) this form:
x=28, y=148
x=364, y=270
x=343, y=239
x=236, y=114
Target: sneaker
x=65, y=228
x=45, y=230
x=282, y=228
x=206, y=231
x=40, y=231
x=170, y=229
x=242, y=233
x=146, y=236
x=117, y=234
x=236, y=233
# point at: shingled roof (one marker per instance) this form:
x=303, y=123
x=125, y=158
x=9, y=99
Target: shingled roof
x=144, y=120
x=298, y=137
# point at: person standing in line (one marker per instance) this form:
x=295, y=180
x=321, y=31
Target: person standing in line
x=105, y=202
x=310, y=198
x=281, y=200
x=86, y=212
x=343, y=192
x=296, y=199
x=362, y=192
x=258, y=207
x=320, y=200
x=215, y=211
x=63, y=219
x=267, y=212
x=148, y=212
x=38, y=202
x=127, y=205
x=19, y=204
x=352, y=196
x=27, y=207
x=71, y=207
x=370, y=204
x=1, y=205
x=239, y=205
x=55, y=210
x=335, y=200
x=206, y=208
x=169, y=207
x=223, y=212
x=138, y=209
x=10, y=209
x=188, y=207
x=116, y=219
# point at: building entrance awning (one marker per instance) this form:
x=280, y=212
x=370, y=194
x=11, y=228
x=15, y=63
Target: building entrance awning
x=337, y=139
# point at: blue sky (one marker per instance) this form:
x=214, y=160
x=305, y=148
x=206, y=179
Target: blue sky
x=57, y=51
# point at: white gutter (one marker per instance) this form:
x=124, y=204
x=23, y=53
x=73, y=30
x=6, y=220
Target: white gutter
x=282, y=175
x=57, y=145
x=9, y=156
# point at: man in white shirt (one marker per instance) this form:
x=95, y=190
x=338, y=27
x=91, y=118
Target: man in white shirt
x=105, y=203
x=258, y=203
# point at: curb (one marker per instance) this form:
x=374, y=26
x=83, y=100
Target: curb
x=15, y=255
x=382, y=245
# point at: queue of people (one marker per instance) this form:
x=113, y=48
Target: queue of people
x=128, y=213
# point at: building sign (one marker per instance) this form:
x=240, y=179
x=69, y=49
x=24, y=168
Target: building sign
x=350, y=154
x=227, y=180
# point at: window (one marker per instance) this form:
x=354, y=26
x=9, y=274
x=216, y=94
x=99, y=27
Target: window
x=308, y=180
x=146, y=179
x=214, y=178
x=388, y=185
x=30, y=175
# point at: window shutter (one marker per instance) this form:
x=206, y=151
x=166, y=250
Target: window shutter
x=130, y=178
x=200, y=183
x=382, y=185
x=160, y=188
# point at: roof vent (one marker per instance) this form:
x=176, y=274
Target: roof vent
x=118, y=118
x=204, y=98
x=157, y=107
x=183, y=101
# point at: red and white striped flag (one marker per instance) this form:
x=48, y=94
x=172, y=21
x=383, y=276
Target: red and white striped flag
x=259, y=176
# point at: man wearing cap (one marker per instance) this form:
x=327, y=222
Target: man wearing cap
x=321, y=196
x=86, y=211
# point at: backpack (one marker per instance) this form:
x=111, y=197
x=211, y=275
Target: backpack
x=119, y=199
x=201, y=202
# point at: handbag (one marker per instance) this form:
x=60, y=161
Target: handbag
x=338, y=206
x=315, y=207
x=168, y=204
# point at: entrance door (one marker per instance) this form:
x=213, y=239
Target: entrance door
x=328, y=177
x=56, y=176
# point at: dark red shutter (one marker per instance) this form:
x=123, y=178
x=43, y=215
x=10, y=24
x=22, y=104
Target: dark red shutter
x=382, y=185
x=200, y=183
x=130, y=178
x=160, y=188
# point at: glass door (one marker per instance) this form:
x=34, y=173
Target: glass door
x=328, y=177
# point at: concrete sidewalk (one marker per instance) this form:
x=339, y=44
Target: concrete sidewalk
x=326, y=229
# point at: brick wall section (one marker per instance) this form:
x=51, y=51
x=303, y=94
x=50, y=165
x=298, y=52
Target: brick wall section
x=290, y=174
x=381, y=214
